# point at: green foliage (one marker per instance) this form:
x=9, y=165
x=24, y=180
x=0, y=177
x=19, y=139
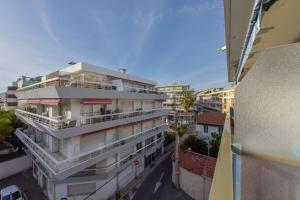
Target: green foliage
x=7, y=123
x=182, y=130
x=196, y=145
x=187, y=100
x=169, y=137
x=215, y=144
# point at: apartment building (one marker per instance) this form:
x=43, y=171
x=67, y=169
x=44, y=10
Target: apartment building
x=88, y=128
x=8, y=99
x=215, y=99
x=259, y=153
x=175, y=92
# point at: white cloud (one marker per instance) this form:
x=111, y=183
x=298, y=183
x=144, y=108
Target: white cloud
x=200, y=9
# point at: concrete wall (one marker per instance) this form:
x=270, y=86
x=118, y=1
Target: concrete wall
x=14, y=166
x=197, y=187
x=267, y=125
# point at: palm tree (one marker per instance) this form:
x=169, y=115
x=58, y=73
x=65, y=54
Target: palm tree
x=187, y=101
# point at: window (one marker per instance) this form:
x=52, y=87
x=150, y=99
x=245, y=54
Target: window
x=205, y=129
x=138, y=146
x=220, y=129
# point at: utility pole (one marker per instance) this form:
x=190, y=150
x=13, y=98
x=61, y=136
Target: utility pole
x=176, y=153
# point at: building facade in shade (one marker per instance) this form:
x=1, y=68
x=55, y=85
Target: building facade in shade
x=215, y=99
x=90, y=127
x=173, y=103
x=259, y=154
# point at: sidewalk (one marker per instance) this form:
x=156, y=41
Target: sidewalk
x=129, y=190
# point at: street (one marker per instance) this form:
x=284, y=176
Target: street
x=158, y=184
x=26, y=183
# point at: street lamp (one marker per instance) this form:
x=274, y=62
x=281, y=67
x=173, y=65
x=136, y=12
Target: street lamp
x=176, y=152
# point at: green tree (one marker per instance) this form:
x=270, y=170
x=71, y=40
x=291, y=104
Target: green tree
x=182, y=130
x=187, y=101
x=215, y=144
x=196, y=145
x=7, y=124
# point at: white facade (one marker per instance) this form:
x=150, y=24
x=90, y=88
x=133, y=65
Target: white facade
x=86, y=126
x=206, y=131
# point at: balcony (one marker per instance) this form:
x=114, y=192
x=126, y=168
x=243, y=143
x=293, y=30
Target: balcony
x=64, y=168
x=70, y=88
x=62, y=128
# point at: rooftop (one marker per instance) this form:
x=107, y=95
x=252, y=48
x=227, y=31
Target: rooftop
x=197, y=163
x=213, y=118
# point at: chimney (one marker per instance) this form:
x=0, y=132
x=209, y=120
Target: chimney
x=123, y=70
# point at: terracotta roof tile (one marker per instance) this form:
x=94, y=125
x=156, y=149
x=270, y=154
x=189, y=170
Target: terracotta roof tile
x=213, y=118
x=197, y=163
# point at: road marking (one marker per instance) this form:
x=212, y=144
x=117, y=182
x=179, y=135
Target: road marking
x=158, y=183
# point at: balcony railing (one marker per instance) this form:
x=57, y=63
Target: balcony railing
x=127, y=160
x=66, y=82
x=60, y=166
x=84, y=120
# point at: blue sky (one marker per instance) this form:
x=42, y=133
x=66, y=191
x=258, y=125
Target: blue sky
x=163, y=40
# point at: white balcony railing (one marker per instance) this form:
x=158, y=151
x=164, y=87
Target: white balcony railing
x=60, y=166
x=84, y=120
x=127, y=160
x=67, y=82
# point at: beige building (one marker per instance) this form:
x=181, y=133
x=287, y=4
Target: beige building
x=259, y=156
x=215, y=99
x=174, y=92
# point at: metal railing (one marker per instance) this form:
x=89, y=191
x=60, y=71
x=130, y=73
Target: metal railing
x=60, y=166
x=67, y=82
x=84, y=120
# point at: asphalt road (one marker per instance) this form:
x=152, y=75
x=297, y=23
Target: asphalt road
x=158, y=185
x=26, y=183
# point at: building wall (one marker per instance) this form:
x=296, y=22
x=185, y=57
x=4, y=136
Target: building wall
x=201, y=134
x=197, y=187
x=267, y=125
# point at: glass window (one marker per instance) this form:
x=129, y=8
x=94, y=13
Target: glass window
x=205, y=129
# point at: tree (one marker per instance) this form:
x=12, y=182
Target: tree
x=7, y=124
x=182, y=130
x=187, y=101
x=215, y=144
x=196, y=145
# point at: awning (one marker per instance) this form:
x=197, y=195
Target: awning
x=22, y=101
x=50, y=102
x=34, y=101
x=96, y=101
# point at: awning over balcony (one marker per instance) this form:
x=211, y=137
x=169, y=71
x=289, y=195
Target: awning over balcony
x=96, y=101
x=50, y=102
x=34, y=101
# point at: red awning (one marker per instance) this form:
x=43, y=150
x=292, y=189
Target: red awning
x=50, y=102
x=96, y=101
x=34, y=101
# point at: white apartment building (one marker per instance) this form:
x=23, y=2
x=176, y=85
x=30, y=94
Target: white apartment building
x=175, y=92
x=90, y=128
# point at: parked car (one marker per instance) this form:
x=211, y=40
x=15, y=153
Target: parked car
x=11, y=192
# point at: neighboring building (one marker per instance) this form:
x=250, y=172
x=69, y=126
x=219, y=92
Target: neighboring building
x=175, y=92
x=2, y=100
x=90, y=127
x=196, y=172
x=260, y=148
x=209, y=123
x=215, y=99
x=10, y=101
